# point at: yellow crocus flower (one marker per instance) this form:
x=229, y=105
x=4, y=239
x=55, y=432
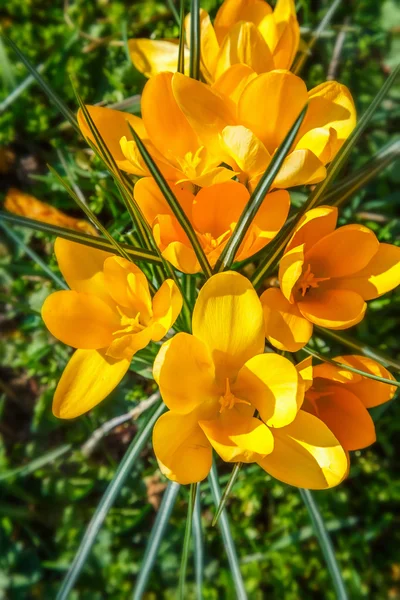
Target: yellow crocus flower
x=244, y=117
x=245, y=32
x=108, y=315
x=223, y=379
x=326, y=275
x=166, y=133
x=213, y=213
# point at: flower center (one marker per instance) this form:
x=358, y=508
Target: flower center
x=228, y=400
x=129, y=324
x=190, y=163
x=209, y=242
x=308, y=280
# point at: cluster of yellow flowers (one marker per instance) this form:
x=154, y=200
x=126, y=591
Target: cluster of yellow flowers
x=213, y=140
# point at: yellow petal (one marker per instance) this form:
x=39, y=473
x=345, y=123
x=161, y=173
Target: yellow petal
x=211, y=177
x=228, y=319
x=80, y=320
x=209, y=46
x=244, y=44
x=306, y=454
x=306, y=371
x=127, y=285
x=126, y=346
x=88, y=378
x=285, y=326
x=187, y=356
x=182, y=257
x=183, y=452
x=271, y=119
x=152, y=201
x=270, y=383
x=288, y=44
x=112, y=126
x=232, y=11
x=379, y=276
x=334, y=309
x=300, y=167
x=217, y=208
x=133, y=162
x=290, y=270
x=321, y=142
x=313, y=226
x=206, y=110
x=152, y=57
x=167, y=304
x=342, y=252
x=233, y=81
x=245, y=149
x=238, y=438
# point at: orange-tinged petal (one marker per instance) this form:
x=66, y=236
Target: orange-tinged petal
x=313, y=226
x=217, y=208
x=125, y=346
x=183, y=452
x=152, y=202
x=232, y=11
x=321, y=142
x=184, y=372
x=228, y=319
x=346, y=416
x=244, y=44
x=89, y=377
x=306, y=454
x=334, y=309
x=271, y=119
x=306, y=371
x=285, y=326
x=112, y=126
x=233, y=81
x=300, y=167
x=379, y=276
x=127, y=285
x=182, y=257
x=82, y=267
x=270, y=383
x=290, y=270
x=236, y=437
x=134, y=163
x=80, y=320
x=342, y=252
x=245, y=149
x=212, y=177
x=207, y=111
x=165, y=123
x=167, y=304
x=152, y=57
x=209, y=46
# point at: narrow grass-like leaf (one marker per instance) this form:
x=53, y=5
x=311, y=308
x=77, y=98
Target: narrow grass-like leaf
x=20, y=89
x=173, y=204
x=198, y=546
x=36, y=463
x=335, y=167
x=155, y=539
x=139, y=254
x=227, y=491
x=325, y=543
x=194, y=39
x=7, y=73
x=229, y=544
x=173, y=10
x=32, y=254
x=360, y=347
x=186, y=542
x=349, y=368
x=62, y=107
x=181, y=53
x=256, y=199
x=305, y=53
x=111, y=493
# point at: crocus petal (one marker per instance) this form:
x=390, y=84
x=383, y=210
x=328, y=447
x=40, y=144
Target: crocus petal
x=300, y=167
x=127, y=285
x=306, y=371
x=232, y=11
x=313, y=226
x=80, y=320
x=135, y=164
x=167, y=304
x=238, y=438
x=285, y=326
x=245, y=149
x=346, y=417
x=286, y=48
x=290, y=270
x=209, y=46
x=228, y=318
x=244, y=44
x=212, y=177
x=306, y=454
x=271, y=119
x=206, y=110
x=89, y=377
x=152, y=201
x=82, y=267
x=182, y=258
x=112, y=126
x=217, y=208
x=322, y=143
x=183, y=452
x=342, y=252
x=233, y=81
x=187, y=356
x=151, y=57
x=126, y=346
x=379, y=276
x=163, y=119
x=270, y=382
x=334, y=309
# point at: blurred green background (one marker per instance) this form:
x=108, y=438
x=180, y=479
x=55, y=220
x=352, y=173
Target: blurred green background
x=44, y=512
